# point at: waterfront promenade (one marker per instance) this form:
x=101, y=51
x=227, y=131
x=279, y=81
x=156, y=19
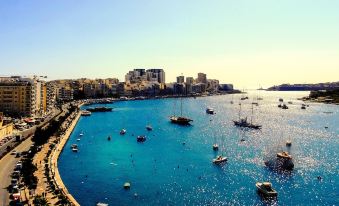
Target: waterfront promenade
x=55, y=156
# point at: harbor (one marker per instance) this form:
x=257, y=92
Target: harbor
x=174, y=165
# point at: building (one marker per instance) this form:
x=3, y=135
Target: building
x=212, y=85
x=5, y=129
x=151, y=75
x=18, y=96
x=180, y=79
x=156, y=74
x=202, y=78
x=226, y=87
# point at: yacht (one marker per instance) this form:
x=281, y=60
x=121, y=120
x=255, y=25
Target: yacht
x=123, y=131
x=141, y=138
x=215, y=147
x=266, y=189
x=219, y=159
x=209, y=111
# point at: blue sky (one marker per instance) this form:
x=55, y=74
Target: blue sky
x=242, y=42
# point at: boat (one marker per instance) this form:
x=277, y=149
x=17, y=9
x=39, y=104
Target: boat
x=141, y=138
x=75, y=149
x=101, y=204
x=127, y=185
x=281, y=99
x=243, y=98
x=284, y=161
x=86, y=113
x=290, y=102
x=78, y=140
x=109, y=138
x=255, y=103
x=242, y=122
x=284, y=106
x=81, y=134
x=99, y=109
x=288, y=143
x=209, y=111
x=181, y=120
x=74, y=146
x=266, y=189
x=303, y=106
x=279, y=105
x=260, y=98
x=219, y=159
x=215, y=147
x=122, y=132
x=149, y=128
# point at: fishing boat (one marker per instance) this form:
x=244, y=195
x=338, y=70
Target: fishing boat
x=209, y=111
x=141, y=138
x=123, y=131
x=266, y=189
x=219, y=159
x=242, y=122
x=181, y=120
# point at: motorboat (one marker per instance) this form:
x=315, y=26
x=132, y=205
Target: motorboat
x=303, y=106
x=141, y=138
x=127, y=185
x=243, y=98
x=180, y=120
x=288, y=143
x=219, y=159
x=149, y=128
x=86, y=113
x=74, y=146
x=209, y=111
x=266, y=189
x=101, y=204
x=123, y=131
x=290, y=102
x=279, y=105
x=215, y=147
x=75, y=149
x=284, y=155
x=109, y=138
x=285, y=161
x=281, y=99
x=81, y=134
x=78, y=140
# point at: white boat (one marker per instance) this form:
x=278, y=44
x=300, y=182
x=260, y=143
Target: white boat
x=127, y=185
x=209, y=111
x=85, y=113
x=78, y=140
x=266, y=189
x=123, y=131
x=101, y=204
x=75, y=149
x=288, y=143
x=149, y=128
x=219, y=159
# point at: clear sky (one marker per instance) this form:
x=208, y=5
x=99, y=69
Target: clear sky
x=244, y=42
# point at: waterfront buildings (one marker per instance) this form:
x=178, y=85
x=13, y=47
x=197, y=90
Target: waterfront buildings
x=6, y=129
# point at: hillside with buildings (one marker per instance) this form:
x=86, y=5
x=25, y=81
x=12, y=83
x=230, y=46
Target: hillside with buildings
x=305, y=87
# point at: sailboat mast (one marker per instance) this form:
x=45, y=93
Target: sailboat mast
x=239, y=110
x=252, y=114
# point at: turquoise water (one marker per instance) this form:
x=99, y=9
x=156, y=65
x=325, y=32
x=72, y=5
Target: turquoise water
x=164, y=171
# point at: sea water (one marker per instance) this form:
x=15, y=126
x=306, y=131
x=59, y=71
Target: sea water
x=174, y=165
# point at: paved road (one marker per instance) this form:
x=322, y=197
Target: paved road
x=7, y=164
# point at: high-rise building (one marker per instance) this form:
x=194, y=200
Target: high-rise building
x=189, y=80
x=180, y=79
x=139, y=75
x=159, y=74
x=18, y=96
x=202, y=78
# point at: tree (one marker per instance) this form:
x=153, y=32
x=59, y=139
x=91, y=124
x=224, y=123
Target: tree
x=40, y=201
